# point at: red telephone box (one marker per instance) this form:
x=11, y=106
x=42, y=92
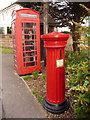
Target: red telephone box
x=26, y=40
x=55, y=101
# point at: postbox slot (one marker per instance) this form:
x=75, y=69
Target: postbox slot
x=60, y=53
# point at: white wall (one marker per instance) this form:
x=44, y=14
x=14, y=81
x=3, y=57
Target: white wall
x=5, y=16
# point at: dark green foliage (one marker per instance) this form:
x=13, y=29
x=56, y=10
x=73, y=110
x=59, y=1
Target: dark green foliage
x=66, y=32
x=9, y=30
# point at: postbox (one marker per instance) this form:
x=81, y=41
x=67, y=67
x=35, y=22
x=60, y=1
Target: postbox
x=55, y=101
x=26, y=40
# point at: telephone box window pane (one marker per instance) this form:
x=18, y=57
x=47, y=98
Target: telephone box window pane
x=29, y=48
x=29, y=25
x=35, y=58
x=35, y=47
x=30, y=42
x=33, y=31
x=30, y=53
x=28, y=31
x=33, y=53
x=26, y=59
x=34, y=36
x=29, y=37
x=23, y=48
x=29, y=64
x=29, y=59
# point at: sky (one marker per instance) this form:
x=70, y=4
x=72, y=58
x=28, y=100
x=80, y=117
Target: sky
x=5, y=3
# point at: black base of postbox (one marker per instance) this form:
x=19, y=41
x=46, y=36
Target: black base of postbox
x=56, y=108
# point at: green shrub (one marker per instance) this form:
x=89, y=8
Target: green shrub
x=35, y=74
x=27, y=78
x=79, y=83
x=44, y=78
x=34, y=92
x=78, y=70
x=40, y=99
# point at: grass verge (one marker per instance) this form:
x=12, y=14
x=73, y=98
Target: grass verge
x=6, y=50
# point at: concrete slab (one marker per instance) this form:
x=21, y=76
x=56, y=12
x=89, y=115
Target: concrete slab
x=18, y=102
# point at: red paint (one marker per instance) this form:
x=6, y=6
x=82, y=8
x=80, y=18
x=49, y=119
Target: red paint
x=55, y=43
x=26, y=40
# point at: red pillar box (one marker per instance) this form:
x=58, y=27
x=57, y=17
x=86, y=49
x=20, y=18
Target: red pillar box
x=55, y=101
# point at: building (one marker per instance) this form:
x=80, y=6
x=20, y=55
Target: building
x=6, y=17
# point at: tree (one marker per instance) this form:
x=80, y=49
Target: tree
x=63, y=12
x=79, y=73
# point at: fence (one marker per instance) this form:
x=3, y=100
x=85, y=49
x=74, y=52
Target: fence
x=6, y=40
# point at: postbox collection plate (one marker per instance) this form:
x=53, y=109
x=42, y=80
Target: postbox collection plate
x=59, y=63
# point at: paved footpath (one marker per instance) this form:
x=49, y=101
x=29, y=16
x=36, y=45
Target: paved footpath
x=17, y=100
x=0, y=86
